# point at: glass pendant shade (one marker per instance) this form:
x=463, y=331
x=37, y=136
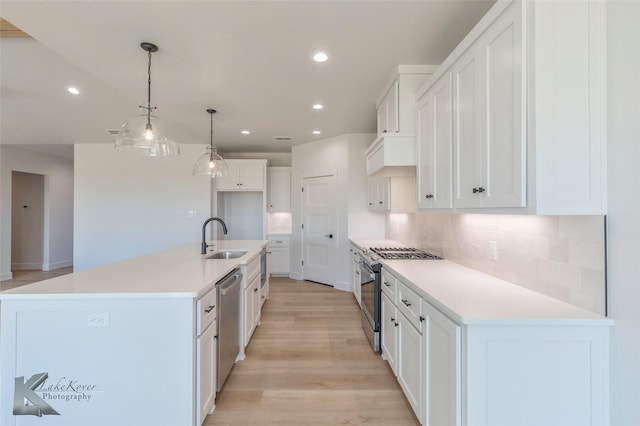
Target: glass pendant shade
x=150, y=141
x=211, y=164
x=143, y=134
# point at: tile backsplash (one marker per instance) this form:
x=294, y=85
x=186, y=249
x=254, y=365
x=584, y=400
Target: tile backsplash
x=560, y=256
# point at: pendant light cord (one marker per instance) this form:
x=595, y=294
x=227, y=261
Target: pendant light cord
x=211, y=140
x=149, y=91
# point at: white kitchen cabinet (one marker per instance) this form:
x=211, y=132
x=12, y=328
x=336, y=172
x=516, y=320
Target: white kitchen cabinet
x=490, y=168
x=356, y=280
x=434, y=173
x=278, y=256
x=410, y=366
x=528, y=111
x=388, y=111
x=252, y=311
x=206, y=352
x=391, y=194
x=206, y=347
x=251, y=295
x=244, y=175
x=389, y=330
x=279, y=189
x=443, y=362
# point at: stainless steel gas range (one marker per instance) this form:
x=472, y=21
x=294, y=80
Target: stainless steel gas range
x=370, y=281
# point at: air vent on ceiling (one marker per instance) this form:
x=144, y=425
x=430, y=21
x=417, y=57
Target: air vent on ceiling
x=113, y=131
x=283, y=138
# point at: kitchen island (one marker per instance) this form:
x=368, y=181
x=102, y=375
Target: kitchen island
x=119, y=344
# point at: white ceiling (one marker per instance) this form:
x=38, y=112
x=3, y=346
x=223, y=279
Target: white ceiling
x=250, y=60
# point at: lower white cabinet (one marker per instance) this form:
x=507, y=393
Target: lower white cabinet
x=278, y=259
x=493, y=372
x=356, y=280
x=206, y=372
x=252, y=312
x=389, y=325
x=206, y=354
x=442, y=348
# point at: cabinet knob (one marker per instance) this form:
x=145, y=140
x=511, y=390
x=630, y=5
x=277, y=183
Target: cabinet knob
x=475, y=190
x=393, y=319
x=481, y=189
x=396, y=324
x=406, y=302
x=379, y=202
x=255, y=289
x=421, y=318
x=428, y=196
x=387, y=284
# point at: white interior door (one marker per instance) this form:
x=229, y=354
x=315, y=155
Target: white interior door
x=319, y=232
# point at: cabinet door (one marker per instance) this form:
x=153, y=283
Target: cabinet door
x=384, y=196
x=251, y=177
x=388, y=120
x=393, y=121
x=443, y=368
x=389, y=341
x=279, y=261
x=467, y=121
x=355, y=277
x=503, y=141
x=206, y=372
x=410, y=368
x=252, y=308
x=435, y=147
x=256, y=304
x=372, y=193
x=279, y=189
x=229, y=182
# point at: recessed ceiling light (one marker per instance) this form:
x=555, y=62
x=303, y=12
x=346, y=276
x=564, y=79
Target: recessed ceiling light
x=245, y=132
x=320, y=57
x=316, y=132
x=73, y=90
x=318, y=106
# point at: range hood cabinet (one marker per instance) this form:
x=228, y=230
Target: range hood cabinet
x=392, y=155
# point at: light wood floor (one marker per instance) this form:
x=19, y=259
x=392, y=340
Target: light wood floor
x=309, y=363
x=27, y=276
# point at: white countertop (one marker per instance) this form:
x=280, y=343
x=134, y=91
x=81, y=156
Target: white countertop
x=177, y=272
x=472, y=297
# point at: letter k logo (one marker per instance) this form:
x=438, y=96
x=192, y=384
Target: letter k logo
x=25, y=390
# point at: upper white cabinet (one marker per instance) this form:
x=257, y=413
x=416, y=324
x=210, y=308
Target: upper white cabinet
x=388, y=111
x=393, y=151
x=435, y=147
x=527, y=113
x=279, y=189
x=244, y=175
x=391, y=194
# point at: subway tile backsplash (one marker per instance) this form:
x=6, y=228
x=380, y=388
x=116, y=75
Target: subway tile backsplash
x=560, y=256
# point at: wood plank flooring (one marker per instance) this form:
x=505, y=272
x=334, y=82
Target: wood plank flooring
x=27, y=276
x=309, y=363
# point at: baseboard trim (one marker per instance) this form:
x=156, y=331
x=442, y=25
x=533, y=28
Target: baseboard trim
x=343, y=285
x=57, y=265
x=295, y=276
x=6, y=276
x=21, y=266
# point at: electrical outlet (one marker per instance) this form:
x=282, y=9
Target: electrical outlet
x=493, y=250
x=98, y=320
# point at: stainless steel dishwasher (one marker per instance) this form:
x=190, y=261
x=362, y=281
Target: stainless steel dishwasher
x=228, y=290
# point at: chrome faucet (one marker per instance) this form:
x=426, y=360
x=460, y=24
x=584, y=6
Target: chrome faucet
x=204, y=246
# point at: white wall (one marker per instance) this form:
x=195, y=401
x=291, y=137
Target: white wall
x=342, y=156
x=126, y=205
x=624, y=208
x=58, y=224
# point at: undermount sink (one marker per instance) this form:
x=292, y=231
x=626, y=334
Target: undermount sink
x=226, y=254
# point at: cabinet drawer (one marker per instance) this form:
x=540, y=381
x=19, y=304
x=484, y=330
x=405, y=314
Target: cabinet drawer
x=389, y=286
x=206, y=311
x=278, y=242
x=409, y=303
x=253, y=269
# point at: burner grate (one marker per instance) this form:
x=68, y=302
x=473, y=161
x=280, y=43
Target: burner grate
x=403, y=253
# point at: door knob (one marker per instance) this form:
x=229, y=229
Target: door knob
x=329, y=236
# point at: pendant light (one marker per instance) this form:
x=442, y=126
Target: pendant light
x=210, y=163
x=144, y=133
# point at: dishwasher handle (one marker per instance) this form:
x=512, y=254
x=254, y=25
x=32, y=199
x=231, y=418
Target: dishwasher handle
x=231, y=280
